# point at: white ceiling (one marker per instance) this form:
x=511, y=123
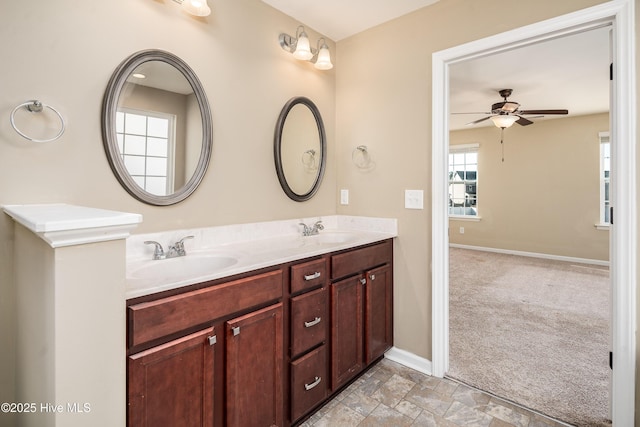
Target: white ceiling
x=339, y=19
x=570, y=73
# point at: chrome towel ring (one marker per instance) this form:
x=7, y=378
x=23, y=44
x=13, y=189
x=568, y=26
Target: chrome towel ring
x=35, y=106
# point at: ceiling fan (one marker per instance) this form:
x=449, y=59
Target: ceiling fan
x=505, y=113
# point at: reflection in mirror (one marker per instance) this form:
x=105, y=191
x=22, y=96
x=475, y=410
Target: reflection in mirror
x=300, y=148
x=157, y=127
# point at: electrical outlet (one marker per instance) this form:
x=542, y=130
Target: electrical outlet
x=344, y=197
x=414, y=199
x=461, y=230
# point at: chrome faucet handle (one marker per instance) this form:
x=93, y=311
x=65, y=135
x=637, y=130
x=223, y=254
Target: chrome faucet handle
x=306, y=230
x=158, y=252
x=318, y=225
x=179, y=245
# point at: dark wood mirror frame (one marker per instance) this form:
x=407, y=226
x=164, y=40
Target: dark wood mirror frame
x=277, y=148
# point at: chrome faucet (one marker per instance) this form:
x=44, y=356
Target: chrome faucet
x=313, y=230
x=158, y=252
x=175, y=250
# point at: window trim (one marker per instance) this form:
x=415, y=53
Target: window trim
x=602, y=224
x=171, y=143
x=465, y=148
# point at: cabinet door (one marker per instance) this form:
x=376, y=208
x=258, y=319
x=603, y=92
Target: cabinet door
x=346, y=330
x=378, y=313
x=254, y=368
x=172, y=384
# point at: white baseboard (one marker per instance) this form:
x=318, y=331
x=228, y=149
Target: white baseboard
x=533, y=255
x=409, y=360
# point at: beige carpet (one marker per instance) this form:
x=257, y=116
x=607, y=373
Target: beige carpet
x=533, y=331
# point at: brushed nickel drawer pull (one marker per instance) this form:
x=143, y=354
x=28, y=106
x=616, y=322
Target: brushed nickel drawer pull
x=373, y=277
x=212, y=340
x=236, y=331
x=312, y=276
x=308, y=387
x=313, y=322
x=363, y=281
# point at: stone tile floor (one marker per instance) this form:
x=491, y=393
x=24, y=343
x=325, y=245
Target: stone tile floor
x=392, y=395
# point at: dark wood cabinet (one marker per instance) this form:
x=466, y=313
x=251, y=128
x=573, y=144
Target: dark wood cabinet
x=361, y=310
x=263, y=348
x=346, y=330
x=378, y=311
x=254, y=368
x=158, y=395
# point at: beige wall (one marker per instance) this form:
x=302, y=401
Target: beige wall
x=64, y=52
x=384, y=102
x=545, y=196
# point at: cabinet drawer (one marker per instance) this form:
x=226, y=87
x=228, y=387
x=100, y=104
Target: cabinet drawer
x=165, y=316
x=345, y=264
x=308, y=382
x=308, y=275
x=308, y=320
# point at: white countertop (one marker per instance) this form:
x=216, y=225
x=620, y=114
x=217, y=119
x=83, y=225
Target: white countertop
x=66, y=225
x=233, y=251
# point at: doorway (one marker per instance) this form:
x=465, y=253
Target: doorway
x=620, y=15
x=529, y=318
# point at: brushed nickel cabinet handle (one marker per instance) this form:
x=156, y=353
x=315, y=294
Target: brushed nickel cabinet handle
x=236, y=331
x=363, y=281
x=313, y=322
x=312, y=276
x=372, y=276
x=308, y=387
x=212, y=340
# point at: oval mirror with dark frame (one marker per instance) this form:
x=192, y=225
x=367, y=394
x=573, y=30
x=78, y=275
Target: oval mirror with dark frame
x=300, y=148
x=156, y=127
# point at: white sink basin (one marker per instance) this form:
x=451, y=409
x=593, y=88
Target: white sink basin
x=176, y=269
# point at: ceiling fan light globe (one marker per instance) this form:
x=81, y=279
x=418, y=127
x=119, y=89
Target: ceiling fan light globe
x=503, y=120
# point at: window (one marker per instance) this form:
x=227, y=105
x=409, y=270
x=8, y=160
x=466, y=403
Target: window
x=463, y=180
x=146, y=141
x=605, y=171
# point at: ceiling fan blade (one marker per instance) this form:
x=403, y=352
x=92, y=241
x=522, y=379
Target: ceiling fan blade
x=544, y=112
x=478, y=121
x=523, y=122
x=476, y=112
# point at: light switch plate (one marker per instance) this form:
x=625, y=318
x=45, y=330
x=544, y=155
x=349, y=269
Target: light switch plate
x=344, y=197
x=414, y=199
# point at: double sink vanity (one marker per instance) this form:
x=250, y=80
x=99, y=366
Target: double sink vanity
x=239, y=325
x=245, y=331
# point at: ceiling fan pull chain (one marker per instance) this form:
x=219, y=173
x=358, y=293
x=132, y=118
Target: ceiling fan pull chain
x=502, y=142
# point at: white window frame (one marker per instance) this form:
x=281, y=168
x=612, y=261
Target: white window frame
x=604, y=223
x=171, y=144
x=465, y=148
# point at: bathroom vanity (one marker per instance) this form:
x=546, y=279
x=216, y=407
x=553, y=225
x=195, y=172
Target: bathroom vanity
x=266, y=346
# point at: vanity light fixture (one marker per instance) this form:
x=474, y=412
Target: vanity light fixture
x=301, y=49
x=195, y=7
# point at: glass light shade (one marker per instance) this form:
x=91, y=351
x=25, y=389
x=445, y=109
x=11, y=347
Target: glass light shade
x=504, y=121
x=303, y=49
x=196, y=7
x=324, y=58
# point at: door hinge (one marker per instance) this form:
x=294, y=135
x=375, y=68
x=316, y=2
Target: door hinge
x=611, y=71
x=611, y=359
x=611, y=215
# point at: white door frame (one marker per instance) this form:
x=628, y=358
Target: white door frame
x=620, y=15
